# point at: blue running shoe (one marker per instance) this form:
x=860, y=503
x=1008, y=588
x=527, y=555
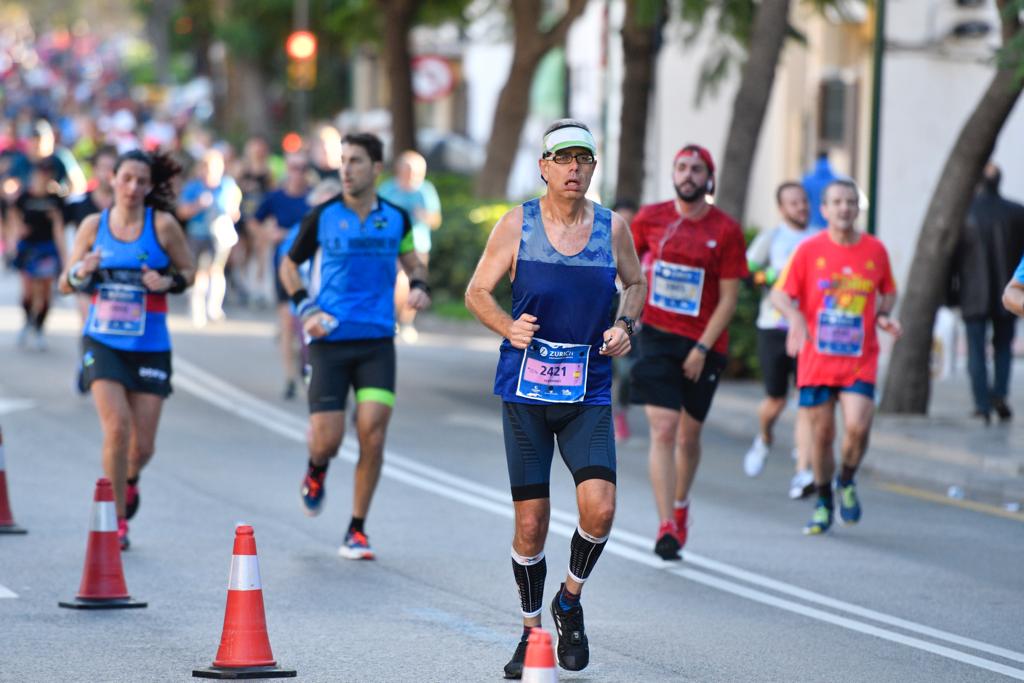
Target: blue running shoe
x=849, y=504
x=313, y=492
x=356, y=547
x=821, y=520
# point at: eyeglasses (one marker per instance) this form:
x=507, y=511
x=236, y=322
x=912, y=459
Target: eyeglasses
x=583, y=158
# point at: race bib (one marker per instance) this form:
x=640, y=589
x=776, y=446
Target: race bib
x=553, y=372
x=840, y=334
x=677, y=288
x=119, y=309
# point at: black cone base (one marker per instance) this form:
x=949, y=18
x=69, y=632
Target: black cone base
x=12, y=529
x=108, y=603
x=233, y=673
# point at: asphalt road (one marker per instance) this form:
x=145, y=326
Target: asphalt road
x=917, y=592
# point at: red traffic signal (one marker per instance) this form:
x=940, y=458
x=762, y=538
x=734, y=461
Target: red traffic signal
x=301, y=45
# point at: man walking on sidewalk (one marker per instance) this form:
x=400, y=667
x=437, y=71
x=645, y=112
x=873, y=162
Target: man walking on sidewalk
x=843, y=287
x=991, y=244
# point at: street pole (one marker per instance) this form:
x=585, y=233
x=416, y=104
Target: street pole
x=876, y=109
x=300, y=21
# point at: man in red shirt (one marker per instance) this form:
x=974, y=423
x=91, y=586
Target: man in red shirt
x=843, y=288
x=697, y=262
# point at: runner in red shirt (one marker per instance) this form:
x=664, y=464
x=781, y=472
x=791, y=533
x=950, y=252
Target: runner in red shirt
x=698, y=260
x=843, y=288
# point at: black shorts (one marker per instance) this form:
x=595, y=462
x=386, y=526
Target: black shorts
x=367, y=365
x=144, y=372
x=657, y=378
x=585, y=440
x=776, y=366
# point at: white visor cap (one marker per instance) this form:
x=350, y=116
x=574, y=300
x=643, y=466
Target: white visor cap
x=570, y=136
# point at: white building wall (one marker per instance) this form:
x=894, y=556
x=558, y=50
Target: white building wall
x=930, y=87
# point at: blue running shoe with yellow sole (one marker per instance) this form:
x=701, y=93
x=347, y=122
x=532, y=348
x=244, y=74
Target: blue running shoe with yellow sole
x=821, y=520
x=849, y=504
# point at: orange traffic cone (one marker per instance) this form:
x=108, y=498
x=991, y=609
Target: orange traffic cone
x=103, y=585
x=539, y=664
x=244, y=645
x=7, y=525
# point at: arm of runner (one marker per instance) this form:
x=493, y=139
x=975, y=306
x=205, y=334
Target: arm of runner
x=1013, y=297
x=81, y=262
x=419, y=290
x=497, y=261
x=57, y=220
x=183, y=271
x=797, y=325
x=728, y=295
x=634, y=289
x=886, y=302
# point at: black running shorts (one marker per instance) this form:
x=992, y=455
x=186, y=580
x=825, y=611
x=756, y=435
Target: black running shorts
x=776, y=367
x=585, y=440
x=367, y=365
x=145, y=372
x=657, y=378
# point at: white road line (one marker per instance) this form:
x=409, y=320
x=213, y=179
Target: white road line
x=6, y=592
x=624, y=544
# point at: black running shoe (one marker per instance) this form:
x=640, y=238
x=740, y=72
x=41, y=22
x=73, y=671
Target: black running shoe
x=667, y=546
x=514, y=668
x=131, y=500
x=573, y=649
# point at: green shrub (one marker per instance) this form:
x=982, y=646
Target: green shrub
x=743, y=362
x=458, y=243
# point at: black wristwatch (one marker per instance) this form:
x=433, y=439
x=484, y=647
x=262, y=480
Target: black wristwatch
x=702, y=348
x=629, y=324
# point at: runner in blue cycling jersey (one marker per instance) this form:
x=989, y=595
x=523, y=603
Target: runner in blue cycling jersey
x=355, y=239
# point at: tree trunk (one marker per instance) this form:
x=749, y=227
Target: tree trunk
x=158, y=28
x=750, y=105
x=531, y=44
x=640, y=42
x=397, y=16
x=908, y=383
x=248, y=96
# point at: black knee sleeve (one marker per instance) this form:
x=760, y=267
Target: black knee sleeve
x=530, y=573
x=583, y=553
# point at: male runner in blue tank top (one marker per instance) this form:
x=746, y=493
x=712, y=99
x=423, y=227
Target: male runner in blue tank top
x=562, y=253
x=355, y=240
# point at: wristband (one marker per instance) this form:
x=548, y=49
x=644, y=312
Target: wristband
x=299, y=296
x=178, y=284
x=702, y=348
x=628, y=322
x=421, y=285
x=307, y=308
x=80, y=284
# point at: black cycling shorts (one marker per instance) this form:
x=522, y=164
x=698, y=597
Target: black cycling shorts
x=585, y=440
x=657, y=378
x=367, y=365
x=145, y=372
x=776, y=367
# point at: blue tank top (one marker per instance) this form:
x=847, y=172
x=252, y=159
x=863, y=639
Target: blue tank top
x=123, y=314
x=569, y=295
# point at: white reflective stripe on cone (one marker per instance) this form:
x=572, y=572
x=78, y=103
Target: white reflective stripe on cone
x=104, y=516
x=245, y=573
x=2, y=466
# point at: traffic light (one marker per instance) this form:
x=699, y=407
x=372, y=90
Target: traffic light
x=301, y=50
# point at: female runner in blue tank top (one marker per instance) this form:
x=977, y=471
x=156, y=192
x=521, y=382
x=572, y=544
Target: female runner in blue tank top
x=128, y=258
x=562, y=253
